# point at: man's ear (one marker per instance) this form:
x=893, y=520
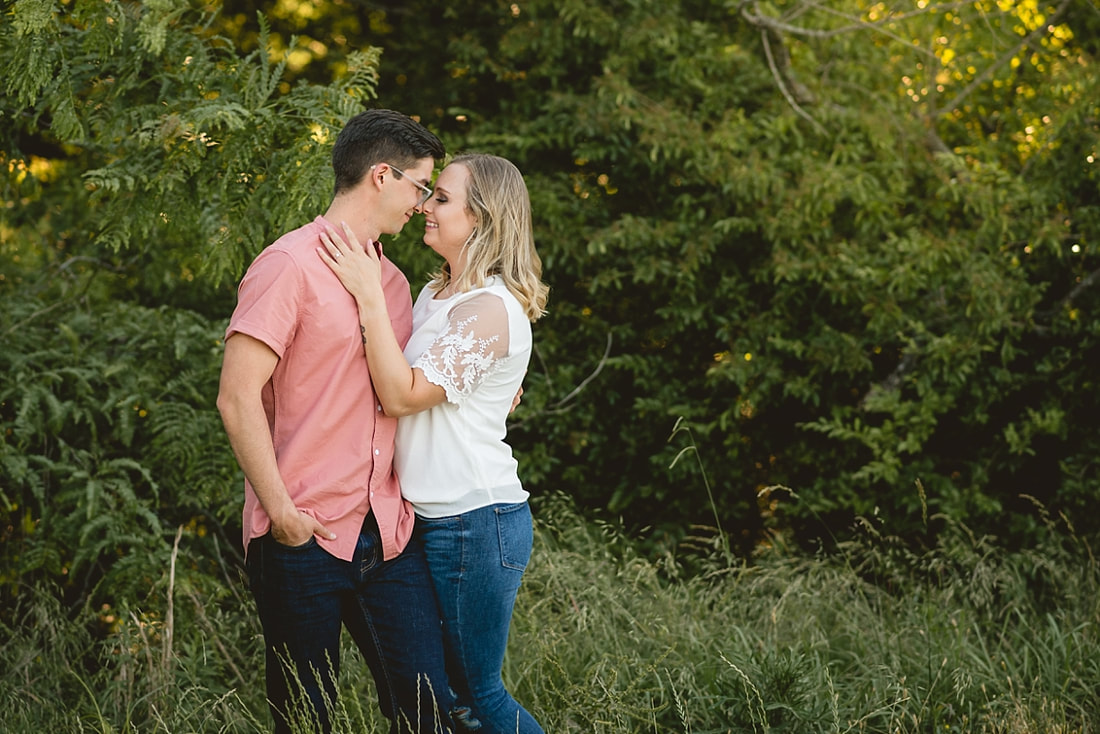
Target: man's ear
x=379, y=171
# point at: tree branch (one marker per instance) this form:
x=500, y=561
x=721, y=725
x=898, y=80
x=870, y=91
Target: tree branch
x=558, y=406
x=893, y=381
x=562, y=406
x=1087, y=282
x=1004, y=59
x=760, y=20
x=779, y=77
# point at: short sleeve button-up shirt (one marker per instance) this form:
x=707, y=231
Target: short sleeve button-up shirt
x=333, y=444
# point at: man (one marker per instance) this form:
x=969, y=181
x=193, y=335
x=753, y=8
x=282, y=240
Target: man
x=326, y=532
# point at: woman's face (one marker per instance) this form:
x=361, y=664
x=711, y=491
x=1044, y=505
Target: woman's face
x=448, y=223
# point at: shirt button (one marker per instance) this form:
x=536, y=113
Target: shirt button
x=379, y=407
x=377, y=452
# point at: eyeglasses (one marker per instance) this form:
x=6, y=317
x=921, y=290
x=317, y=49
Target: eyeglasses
x=425, y=192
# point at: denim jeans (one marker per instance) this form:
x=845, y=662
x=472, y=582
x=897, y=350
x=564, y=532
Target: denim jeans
x=477, y=560
x=304, y=594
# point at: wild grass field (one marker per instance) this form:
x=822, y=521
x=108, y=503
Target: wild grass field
x=965, y=636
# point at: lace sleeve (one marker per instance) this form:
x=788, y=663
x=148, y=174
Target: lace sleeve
x=470, y=346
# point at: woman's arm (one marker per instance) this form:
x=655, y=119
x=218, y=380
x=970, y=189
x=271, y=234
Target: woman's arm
x=401, y=389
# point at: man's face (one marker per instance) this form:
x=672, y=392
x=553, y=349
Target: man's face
x=401, y=195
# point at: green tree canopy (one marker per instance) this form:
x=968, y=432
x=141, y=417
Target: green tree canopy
x=850, y=247
x=854, y=246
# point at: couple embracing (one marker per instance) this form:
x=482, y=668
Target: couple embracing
x=380, y=494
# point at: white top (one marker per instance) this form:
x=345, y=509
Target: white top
x=476, y=345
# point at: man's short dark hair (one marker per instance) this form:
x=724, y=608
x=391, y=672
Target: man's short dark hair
x=380, y=136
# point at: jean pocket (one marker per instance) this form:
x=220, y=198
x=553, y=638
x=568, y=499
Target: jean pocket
x=293, y=548
x=516, y=535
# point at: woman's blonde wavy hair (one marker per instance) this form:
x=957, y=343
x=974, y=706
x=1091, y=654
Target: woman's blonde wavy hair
x=502, y=242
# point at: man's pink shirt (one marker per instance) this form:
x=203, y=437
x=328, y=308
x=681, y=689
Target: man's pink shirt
x=333, y=443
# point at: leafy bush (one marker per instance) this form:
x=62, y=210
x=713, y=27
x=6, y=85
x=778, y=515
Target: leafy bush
x=111, y=441
x=788, y=237
x=851, y=247
x=150, y=161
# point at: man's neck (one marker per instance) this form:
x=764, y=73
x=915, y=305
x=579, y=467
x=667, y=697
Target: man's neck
x=356, y=218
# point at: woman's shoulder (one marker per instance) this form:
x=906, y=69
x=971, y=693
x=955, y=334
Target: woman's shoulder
x=495, y=285
x=493, y=295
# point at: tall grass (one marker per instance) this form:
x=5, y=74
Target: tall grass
x=964, y=636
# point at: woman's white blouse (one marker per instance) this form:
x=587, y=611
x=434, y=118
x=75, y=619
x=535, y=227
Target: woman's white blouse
x=476, y=345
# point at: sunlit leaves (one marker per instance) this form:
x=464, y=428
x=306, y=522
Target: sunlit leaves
x=852, y=245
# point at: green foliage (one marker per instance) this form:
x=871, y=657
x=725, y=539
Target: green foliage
x=826, y=247
x=191, y=156
x=964, y=635
x=145, y=161
x=831, y=248
x=849, y=247
x=110, y=440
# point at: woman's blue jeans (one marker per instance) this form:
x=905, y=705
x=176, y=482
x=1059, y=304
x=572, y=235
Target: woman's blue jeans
x=477, y=560
x=304, y=594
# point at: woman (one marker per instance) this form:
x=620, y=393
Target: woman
x=453, y=387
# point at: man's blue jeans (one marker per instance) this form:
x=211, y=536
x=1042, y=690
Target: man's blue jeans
x=304, y=594
x=477, y=560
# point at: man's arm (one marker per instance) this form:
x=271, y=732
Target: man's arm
x=246, y=367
